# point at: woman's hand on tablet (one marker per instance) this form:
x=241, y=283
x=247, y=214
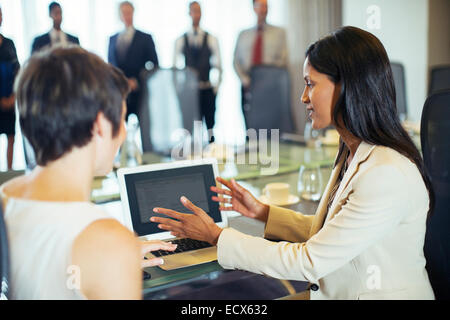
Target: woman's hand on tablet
x=198, y=226
x=240, y=200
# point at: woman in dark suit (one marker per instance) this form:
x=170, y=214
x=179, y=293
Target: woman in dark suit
x=9, y=66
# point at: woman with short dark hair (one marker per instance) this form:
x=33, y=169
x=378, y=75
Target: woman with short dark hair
x=366, y=239
x=72, y=111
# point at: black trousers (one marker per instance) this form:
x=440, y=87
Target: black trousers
x=207, y=99
x=133, y=103
x=245, y=101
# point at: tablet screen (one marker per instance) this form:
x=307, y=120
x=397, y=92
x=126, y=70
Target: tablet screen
x=164, y=188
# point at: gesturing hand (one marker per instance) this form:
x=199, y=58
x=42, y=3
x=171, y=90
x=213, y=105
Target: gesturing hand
x=198, y=226
x=241, y=200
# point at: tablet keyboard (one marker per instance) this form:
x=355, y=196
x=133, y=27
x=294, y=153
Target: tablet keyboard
x=183, y=245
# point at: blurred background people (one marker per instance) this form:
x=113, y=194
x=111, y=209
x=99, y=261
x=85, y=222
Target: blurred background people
x=56, y=36
x=130, y=51
x=9, y=66
x=200, y=51
x=263, y=44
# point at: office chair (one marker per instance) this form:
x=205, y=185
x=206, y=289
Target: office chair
x=440, y=79
x=398, y=71
x=4, y=257
x=435, y=133
x=270, y=100
x=8, y=175
x=169, y=105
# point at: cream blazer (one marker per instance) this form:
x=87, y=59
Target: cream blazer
x=369, y=245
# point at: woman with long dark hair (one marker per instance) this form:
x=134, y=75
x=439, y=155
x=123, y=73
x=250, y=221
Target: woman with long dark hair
x=366, y=239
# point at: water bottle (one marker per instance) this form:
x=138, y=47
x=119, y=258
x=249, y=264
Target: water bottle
x=311, y=136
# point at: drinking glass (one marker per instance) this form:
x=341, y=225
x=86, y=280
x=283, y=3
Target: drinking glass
x=310, y=182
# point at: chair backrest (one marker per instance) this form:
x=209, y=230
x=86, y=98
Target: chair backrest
x=398, y=71
x=435, y=138
x=4, y=257
x=8, y=175
x=439, y=79
x=270, y=102
x=170, y=102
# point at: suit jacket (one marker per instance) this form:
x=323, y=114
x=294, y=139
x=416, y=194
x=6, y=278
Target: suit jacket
x=369, y=245
x=44, y=40
x=141, y=50
x=275, y=50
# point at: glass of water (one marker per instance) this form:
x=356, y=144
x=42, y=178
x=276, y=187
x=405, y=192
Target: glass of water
x=310, y=182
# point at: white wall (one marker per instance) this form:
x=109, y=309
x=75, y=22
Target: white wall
x=404, y=32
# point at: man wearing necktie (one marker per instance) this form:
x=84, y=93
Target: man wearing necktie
x=199, y=50
x=263, y=44
x=130, y=51
x=56, y=36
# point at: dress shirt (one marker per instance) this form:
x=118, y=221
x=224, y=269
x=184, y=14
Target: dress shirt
x=275, y=51
x=58, y=37
x=124, y=40
x=195, y=39
x=126, y=36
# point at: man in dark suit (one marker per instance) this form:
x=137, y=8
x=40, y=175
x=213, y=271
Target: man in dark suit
x=130, y=51
x=56, y=36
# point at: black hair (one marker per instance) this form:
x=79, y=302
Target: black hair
x=366, y=107
x=192, y=3
x=126, y=3
x=52, y=6
x=60, y=92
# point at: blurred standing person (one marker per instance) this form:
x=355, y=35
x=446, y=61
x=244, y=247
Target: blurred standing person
x=9, y=67
x=263, y=44
x=200, y=51
x=130, y=50
x=56, y=36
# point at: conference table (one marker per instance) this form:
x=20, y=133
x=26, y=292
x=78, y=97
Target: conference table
x=210, y=281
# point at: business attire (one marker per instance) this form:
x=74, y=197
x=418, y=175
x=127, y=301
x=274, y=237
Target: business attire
x=41, y=238
x=130, y=51
x=265, y=45
x=9, y=67
x=200, y=51
x=52, y=38
x=366, y=243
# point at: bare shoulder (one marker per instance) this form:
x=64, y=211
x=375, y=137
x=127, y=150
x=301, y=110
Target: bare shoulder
x=108, y=255
x=105, y=238
x=106, y=229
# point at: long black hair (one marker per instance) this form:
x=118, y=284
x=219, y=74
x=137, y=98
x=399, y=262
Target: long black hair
x=366, y=107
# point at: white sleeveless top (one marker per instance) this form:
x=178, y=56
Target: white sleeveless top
x=41, y=235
